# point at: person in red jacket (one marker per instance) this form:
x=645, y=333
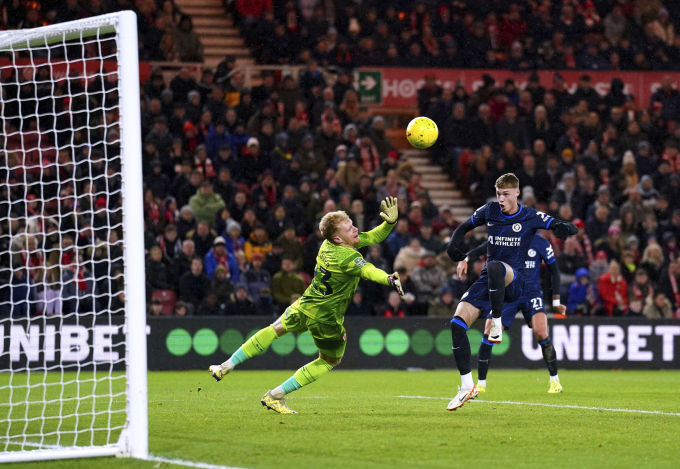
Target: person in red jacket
x=613, y=290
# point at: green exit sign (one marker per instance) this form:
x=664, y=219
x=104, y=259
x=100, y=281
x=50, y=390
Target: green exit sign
x=370, y=86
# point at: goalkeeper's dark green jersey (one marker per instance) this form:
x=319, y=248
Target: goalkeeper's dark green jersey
x=336, y=276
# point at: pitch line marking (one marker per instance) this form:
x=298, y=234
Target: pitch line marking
x=181, y=462
x=561, y=406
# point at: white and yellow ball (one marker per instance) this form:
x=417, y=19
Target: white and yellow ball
x=422, y=132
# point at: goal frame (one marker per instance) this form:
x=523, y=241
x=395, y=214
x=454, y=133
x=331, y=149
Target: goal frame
x=133, y=440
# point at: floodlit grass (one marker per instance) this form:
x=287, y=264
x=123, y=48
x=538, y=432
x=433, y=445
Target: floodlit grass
x=355, y=419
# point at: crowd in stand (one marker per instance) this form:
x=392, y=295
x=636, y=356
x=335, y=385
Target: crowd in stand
x=515, y=35
x=236, y=180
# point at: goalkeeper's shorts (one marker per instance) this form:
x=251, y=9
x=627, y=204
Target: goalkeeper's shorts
x=331, y=339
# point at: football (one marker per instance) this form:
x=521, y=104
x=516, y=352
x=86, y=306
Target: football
x=422, y=132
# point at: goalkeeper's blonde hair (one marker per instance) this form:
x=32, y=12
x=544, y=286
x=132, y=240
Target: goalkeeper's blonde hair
x=329, y=223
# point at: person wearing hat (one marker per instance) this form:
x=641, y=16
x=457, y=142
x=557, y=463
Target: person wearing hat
x=321, y=308
x=582, y=300
x=511, y=228
x=219, y=256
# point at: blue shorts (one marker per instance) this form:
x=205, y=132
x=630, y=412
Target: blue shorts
x=478, y=293
x=530, y=303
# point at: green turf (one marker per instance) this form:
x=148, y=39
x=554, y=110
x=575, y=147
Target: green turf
x=353, y=419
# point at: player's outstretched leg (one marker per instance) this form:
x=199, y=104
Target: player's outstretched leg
x=550, y=359
x=461, y=353
x=307, y=374
x=483, y=362
x=496, y=272
x=257, y=344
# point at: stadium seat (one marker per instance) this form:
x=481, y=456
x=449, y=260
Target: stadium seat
x=168, y=298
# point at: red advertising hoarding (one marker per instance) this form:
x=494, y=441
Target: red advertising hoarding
x=400, y=85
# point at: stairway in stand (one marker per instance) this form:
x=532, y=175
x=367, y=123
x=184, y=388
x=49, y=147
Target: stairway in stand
x=442, y=190
x=218, y=34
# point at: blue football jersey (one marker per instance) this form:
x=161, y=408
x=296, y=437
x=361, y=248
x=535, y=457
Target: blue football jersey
x=510, y=236
x=540, y=249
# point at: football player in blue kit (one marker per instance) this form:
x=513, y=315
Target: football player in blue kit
x=530, y=304
x=511, y=228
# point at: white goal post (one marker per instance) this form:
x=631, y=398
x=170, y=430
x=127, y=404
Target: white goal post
x=72, y=285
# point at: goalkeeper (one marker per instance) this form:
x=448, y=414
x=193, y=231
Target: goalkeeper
x=321, y=309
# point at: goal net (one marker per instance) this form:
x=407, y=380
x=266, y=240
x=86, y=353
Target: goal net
x=72, y=304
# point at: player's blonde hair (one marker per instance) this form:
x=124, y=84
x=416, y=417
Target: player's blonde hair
x=507, y=181
x=329, y=223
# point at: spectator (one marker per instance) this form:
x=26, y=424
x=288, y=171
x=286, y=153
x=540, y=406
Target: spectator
x=219, y=256
x=256, y=278
x=187, y=42
x=291, y=245
x=428, y=277
x=222, y=287
x=156, y=307
x=658, y=306
x=286, y=283
x=158, y=274
x=443, y=305
x=193, y=285
x=203, y=237
x=358, y=306
x=258, y=241
x=241, y=304
x=395, y=307
x=613, y=290
x=583, y=298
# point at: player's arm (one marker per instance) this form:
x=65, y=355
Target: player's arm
x=357, y=265
x=562, y=229
x=472, y=255
x=454, y=249
x=554, y=271
x=390, y=213
x=374, y=274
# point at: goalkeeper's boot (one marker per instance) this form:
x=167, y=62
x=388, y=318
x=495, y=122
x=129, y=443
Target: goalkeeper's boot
x=496, y=331
x=462, y=397
x=480, y=388
x=218, y=372
x=277, y=405
x=555, y=387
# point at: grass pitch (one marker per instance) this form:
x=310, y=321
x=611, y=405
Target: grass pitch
x=398, y=419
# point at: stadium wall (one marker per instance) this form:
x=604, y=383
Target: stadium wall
x=190, y=343
x=398, y=87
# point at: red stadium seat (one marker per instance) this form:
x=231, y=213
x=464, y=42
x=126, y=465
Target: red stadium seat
x=168, y=298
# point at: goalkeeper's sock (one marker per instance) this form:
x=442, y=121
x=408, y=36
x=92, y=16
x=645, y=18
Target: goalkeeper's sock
x=257, y=344
x=483, y=359
x=305, y=375
x=496, y=273
x=549, y=355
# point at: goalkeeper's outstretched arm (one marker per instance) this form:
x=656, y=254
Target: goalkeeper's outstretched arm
x=371, y=272
x=455, y=247
x=389, y=212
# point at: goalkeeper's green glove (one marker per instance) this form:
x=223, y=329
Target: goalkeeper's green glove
x=389, y=210
x=396, y=283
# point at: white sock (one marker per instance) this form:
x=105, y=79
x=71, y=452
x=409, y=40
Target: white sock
x=555, y=378
x=481, y=382
x=466, y=381
x=277, y=392
x=497, y=322
x=228, y=365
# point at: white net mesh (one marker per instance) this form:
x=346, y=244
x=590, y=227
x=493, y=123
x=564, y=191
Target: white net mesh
x=62, y=346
